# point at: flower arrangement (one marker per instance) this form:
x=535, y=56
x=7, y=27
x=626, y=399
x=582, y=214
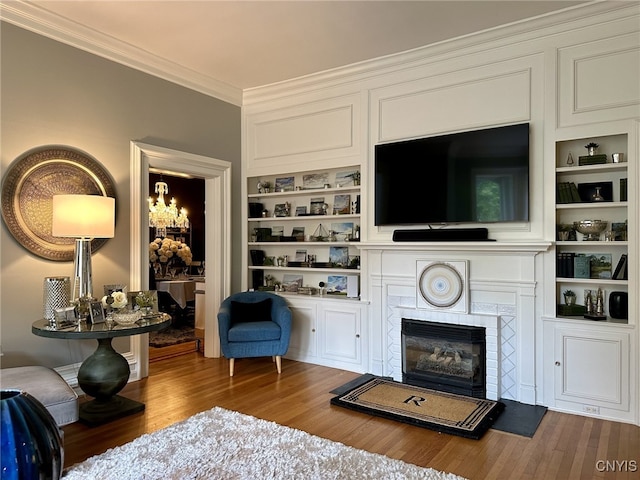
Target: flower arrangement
x=145, y=299
x=165, y=250
x=115, y=300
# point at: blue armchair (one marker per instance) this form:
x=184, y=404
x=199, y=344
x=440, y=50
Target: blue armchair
x=254, y=324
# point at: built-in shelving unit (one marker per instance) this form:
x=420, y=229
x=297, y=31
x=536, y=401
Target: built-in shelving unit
x=589, y=353
x=587, y=191
x=302, y=233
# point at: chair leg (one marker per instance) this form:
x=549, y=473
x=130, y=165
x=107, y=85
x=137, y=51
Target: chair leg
x=231, y=364
x=279, y=364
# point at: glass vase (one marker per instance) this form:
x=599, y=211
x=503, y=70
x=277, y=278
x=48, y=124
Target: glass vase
x=32, y=446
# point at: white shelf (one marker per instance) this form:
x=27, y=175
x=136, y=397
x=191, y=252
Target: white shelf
x=590, y=244
x=300, y=244
x=591, y=281
x=303, y=192
x=602, y=168
x=590, y=205
x=305, y=218
x=339, y=271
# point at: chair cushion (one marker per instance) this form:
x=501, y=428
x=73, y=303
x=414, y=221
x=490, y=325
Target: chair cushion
x=254, y=332
x=48, y=387
x=250, y=311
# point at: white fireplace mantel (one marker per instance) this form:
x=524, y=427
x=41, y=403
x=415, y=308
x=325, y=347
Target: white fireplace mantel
x=532, y=248
x=502, y=284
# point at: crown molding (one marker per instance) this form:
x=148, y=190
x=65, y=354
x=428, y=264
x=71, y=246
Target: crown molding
x=42, y=22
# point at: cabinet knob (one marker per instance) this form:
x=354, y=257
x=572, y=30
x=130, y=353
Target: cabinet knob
x=313, y=330
x=357, y=335
x=557, y=364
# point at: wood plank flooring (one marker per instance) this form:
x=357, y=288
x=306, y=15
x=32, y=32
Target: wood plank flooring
x=564, y=447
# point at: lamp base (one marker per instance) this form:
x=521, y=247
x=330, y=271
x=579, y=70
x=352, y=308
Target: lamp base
x=83, y=284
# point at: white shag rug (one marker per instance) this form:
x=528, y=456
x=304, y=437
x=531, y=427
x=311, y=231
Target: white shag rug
x=223, y=444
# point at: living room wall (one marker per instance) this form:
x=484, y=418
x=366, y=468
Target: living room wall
x=54, y=94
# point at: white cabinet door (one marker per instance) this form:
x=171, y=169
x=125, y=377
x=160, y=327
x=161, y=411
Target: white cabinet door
x=341, y=338
x=303, y=342
x=592, y=368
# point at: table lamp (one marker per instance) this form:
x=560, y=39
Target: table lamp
x=83, y=217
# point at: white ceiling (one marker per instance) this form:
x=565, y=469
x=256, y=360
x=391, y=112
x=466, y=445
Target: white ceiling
x=248, y=44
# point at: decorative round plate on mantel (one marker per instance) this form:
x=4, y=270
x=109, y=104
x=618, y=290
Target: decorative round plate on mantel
x=442, y=285
x=27, y=194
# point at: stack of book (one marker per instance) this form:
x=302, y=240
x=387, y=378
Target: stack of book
x=564, y=265
x=573, y=265
x=567, y=192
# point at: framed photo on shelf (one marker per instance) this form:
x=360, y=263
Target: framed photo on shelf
x=337, y=284
x=281, y=210
x=346, y=179
x=315, y=180
x=600, y=265
x=298, y=233
x=302, y=210
x=619, y=231
x=317, y=206
x=342, y=204
x=277, y=231
x=339, y=256
x=342, y=230
x=291, y=282
x=285, y=184
x=596, y=191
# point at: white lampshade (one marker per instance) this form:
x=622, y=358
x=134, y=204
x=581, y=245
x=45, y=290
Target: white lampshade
x=83, y=216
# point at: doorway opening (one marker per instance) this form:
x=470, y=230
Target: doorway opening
x=178, y=279
x=217, y=180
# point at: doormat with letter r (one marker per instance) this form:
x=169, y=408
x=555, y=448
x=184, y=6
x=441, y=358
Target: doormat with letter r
x=444, y=412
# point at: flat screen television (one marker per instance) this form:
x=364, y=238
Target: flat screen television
x=479, y=176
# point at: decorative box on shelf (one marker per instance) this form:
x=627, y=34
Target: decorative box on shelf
x=571, y=310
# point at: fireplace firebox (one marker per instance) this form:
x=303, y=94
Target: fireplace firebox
x=446, y=357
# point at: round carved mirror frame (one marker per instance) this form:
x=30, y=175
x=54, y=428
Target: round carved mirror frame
x=28, y=188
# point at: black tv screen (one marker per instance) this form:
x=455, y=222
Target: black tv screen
x=481, y=176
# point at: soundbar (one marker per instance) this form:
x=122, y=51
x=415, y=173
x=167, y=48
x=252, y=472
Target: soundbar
x=442, y=235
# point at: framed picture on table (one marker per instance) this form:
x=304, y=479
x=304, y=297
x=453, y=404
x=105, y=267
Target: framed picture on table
x=96, y=312
x=115, y=287
x=143, y=298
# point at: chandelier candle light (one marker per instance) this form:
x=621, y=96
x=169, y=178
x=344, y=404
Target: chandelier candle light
x=162, y=216
x=83, y=217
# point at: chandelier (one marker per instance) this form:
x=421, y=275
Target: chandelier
x=163, y=216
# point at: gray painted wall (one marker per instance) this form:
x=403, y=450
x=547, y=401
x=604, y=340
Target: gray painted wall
x=52, y=93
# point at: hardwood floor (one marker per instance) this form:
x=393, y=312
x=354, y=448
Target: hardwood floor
x=564, y=447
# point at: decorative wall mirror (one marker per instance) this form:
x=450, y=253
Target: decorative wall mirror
x=27, y=192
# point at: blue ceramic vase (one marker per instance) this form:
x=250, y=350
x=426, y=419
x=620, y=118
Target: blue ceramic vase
x=31, y=440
